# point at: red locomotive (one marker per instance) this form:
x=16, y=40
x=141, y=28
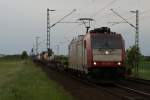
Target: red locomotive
x=99, y=52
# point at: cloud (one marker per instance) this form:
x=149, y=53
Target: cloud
x=23, y=20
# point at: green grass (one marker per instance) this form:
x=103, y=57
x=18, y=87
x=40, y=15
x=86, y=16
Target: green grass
x=144, y=70
x=22, y=80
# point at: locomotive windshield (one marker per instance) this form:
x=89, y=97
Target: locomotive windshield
x=106, y=42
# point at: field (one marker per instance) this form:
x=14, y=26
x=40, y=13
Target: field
x=22, y=80
x=144, y=70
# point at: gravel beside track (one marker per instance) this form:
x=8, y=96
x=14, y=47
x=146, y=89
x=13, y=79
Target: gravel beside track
x=78, y=89
x=82, y=91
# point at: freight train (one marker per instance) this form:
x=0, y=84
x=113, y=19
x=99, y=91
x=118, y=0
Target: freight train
x=99, y=53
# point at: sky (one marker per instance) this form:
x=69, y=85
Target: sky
x=23, y=20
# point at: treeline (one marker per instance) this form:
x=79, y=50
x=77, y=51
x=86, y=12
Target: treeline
x=24, y=55
x=11, y=57
x=145, y=58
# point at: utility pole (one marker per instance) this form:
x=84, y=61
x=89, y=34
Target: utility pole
x=137, y=43
x=37, y=43
x=33, y=49
x=136, y=27
x=50, y=26
x=31, y=52
x=48, y=31
x=58, y=47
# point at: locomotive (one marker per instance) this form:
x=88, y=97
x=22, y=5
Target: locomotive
x=99, y=53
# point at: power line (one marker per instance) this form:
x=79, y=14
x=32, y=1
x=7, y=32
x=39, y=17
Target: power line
x=107, y=5
x=136, y=27
x=122, y=18
x=131, y=17
x=146, y=11
x=141, y=13
x=50, y=26
x=59, y=21
x=102, y=9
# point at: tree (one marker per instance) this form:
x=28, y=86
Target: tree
x=24, y=55
x=133, y=55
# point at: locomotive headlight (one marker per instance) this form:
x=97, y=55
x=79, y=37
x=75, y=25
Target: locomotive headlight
x=94, y=63
x=119, y=63
x=106, y=52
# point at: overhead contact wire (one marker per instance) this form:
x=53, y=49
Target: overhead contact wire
x=104, y=8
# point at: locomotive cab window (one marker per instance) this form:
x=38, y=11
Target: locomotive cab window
x=105, y=42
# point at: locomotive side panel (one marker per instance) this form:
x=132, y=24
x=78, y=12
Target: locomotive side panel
x=88, y=51
x=80, y=55
x=76, y=54
x=72, y=55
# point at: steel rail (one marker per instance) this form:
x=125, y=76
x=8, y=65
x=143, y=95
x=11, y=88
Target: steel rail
x=133, y=90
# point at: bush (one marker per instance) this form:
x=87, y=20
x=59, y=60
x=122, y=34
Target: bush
x=24, y=55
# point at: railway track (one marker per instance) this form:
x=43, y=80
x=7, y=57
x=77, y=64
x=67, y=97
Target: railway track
x=142, y=81
x=120, y=90
x=140, y=85
x=139, y=95
x=80, y=89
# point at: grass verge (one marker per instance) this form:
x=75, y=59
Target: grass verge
x=22, y=80
x=144, y=70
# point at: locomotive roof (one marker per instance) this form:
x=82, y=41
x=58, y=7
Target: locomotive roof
x=80, y=37
x=101, y=30
x=96, y=31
